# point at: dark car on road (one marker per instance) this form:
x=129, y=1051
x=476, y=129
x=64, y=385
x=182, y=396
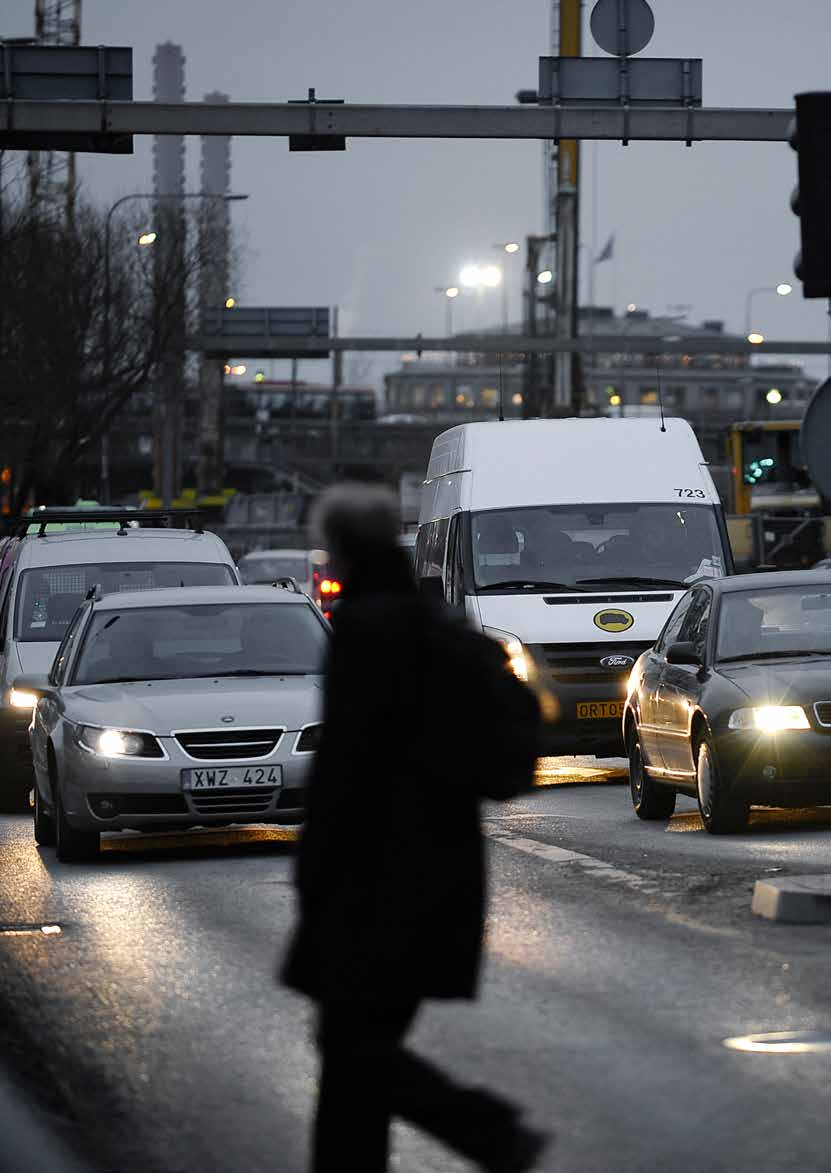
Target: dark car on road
x=732, y=705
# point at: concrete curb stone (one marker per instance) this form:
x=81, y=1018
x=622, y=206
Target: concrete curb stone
x=798, y=900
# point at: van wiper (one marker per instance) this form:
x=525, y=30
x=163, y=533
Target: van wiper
x=634, y=580
x=522, y=584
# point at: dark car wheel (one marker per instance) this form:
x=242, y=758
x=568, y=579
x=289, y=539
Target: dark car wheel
x=73, y=846
x=721, y=812
x=44, y=823
x=650, y=801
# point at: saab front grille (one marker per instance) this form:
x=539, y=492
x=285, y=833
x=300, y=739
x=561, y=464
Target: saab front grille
x=234, y=801
x=227, y=745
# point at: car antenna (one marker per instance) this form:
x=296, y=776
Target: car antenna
x=501, y=400
x=660, y=396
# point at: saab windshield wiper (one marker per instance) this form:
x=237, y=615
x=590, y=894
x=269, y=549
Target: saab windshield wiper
x=521, y=584
x=792, y=655
x=634, y=581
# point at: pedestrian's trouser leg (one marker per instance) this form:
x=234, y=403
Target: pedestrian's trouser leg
x=359, y=1049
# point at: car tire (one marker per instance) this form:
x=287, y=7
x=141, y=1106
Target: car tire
x=73, y=846
x=44, y=823
x=650, y=800
x=721, y=812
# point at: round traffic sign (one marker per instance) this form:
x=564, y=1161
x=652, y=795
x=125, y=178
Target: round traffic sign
x=815, y=438
x=622, y=27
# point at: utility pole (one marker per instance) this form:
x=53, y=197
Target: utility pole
x=52, y=180
x=533, y=404
x=565, y=381
x=214, y=231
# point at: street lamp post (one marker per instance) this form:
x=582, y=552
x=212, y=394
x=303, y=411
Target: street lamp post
x=146, y=238
x=783, y=289
x=450, y=292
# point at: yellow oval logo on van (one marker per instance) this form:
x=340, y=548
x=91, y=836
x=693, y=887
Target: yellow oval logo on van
x=613, y=619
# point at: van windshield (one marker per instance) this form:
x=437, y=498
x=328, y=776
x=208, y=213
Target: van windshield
x=48, y=597
x=595, y=545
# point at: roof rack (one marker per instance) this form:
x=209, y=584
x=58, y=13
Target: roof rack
x=126, y=518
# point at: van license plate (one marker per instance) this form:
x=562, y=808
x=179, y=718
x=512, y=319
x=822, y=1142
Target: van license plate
x=599, y=710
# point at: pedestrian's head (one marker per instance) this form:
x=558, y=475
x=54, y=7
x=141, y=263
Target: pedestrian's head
x=358, y=524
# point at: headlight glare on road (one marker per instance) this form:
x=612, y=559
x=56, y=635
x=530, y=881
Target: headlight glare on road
x=769, y=718
x=19, y=699
x=118, y=743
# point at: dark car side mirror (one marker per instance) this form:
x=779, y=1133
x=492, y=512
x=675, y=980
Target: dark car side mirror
x=684, y=652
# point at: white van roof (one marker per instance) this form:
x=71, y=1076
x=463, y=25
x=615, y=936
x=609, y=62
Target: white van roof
x=571, y=461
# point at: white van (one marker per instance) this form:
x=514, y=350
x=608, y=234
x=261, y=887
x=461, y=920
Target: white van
x=570, y=541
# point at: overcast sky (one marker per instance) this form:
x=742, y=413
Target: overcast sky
x=375, y=229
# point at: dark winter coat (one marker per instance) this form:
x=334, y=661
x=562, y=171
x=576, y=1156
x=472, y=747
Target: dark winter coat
x=421, y=720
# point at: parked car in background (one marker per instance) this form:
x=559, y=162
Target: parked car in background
x=732, y=705
x=177, y=708
x=45, y=575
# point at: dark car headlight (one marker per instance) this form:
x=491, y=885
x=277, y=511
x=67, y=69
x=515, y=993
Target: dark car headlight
x=769, y=718
x=119, y=743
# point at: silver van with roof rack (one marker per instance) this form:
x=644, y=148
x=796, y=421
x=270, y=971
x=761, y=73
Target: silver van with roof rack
x=60, y=555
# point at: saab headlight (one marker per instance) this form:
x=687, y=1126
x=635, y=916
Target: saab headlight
x=769, y=718
x=119, y=743
x=517, y=658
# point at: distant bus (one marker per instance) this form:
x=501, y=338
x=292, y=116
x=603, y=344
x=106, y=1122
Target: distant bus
x=283, y=401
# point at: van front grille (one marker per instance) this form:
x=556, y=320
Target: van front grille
x=581, y=663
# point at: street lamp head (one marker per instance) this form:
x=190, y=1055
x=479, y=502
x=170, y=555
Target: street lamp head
x=451, y=291
x=230, y=302
x=491, y=276
x=511, y=247
x=147, y=238
x=755, y=338
x=783, y=289
x=774, y=396
x=545, y=277
x=470, y=276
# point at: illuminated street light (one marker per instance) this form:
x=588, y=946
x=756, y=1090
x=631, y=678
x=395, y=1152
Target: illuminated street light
x=545, y=277
x=147, y=238
x=755, y=338
x=491, y=276
x=470, y=276
x=511, y=247
x=774, y=396
x=230, y=302
x=783, y=289
x=630, y=309
x=452, y=291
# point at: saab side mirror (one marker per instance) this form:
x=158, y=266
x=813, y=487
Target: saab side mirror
x=432, y=589
x=684, y=653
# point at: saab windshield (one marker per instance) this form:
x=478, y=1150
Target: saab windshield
x=210, y=640
x=596, y=545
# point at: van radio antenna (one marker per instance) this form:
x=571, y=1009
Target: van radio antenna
x=660, y=395
x=501, y=401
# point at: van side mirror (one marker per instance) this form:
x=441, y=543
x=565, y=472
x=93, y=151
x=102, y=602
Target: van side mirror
x=432, y=589
x=37, y=685
x=684, y=652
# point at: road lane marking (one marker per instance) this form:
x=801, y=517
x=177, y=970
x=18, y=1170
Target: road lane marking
x=561, y=855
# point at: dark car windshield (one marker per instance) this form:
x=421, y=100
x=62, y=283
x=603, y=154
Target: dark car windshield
x=193, y=640
x=777, y=621
x=261, y=569
x=592, y=545
x=48, y=597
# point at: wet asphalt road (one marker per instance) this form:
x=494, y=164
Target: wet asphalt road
x=621, y=955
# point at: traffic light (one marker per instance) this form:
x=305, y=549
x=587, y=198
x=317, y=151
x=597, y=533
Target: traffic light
x=811, y=199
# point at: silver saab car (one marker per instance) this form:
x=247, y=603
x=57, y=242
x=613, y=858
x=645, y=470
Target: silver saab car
x=176, y=708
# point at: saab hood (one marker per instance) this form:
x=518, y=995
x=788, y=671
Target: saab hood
x=160, y=706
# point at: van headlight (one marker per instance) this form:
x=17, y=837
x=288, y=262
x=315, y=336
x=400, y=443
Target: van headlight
x=769, y=718
x=512, y=645
x=20, y=699
x=118, y=743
